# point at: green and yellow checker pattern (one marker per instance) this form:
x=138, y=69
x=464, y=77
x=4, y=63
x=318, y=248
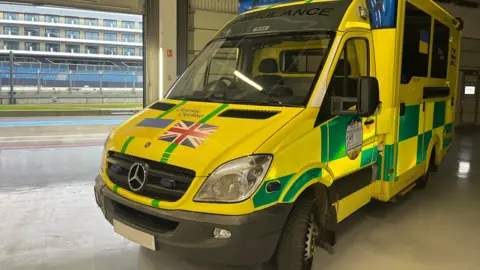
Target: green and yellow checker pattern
x=417, y=127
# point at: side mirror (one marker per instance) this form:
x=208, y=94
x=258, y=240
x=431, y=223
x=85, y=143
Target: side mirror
x=364, y=104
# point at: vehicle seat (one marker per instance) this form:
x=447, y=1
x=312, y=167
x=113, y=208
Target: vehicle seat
x=268, y=65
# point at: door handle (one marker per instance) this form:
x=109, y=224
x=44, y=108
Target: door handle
x=369, y=122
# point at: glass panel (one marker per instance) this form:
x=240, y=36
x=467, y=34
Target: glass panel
x=416, y=43
x=441, y=38
x=110, y=23
x=72, y=20
x=91, y=49
x=72, y=34
x=110, y=36
x=32, y=46
x=31, y=17
x=128, y=24
x=11, y=45
x=32, y=31
x=128, y=38
x=52, y=47
x=10, y=16
x=52, y=19
x=72, y=48
x=297, y=61
x=128, y=51
x=91, y=22
x=245, y=70
x=11, y=30
x=52, y=32
x=111, y=50
x=91, y=35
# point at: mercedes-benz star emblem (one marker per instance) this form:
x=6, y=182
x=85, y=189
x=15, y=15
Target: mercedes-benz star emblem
x=137, y=177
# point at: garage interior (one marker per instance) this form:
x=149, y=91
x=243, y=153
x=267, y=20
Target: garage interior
x=49, y=219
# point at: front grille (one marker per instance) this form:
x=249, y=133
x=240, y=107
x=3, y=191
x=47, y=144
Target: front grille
x=165, y=182
x=142, y=219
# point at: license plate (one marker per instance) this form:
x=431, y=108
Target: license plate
x=134, y=235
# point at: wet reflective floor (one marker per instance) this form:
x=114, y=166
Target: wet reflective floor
x=49, y=219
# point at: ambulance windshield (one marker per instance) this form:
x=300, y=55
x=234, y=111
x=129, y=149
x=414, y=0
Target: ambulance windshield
x=274, y=69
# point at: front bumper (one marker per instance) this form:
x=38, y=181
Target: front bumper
x=190, y=234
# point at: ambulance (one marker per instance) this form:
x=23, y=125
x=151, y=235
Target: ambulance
x=293, y=116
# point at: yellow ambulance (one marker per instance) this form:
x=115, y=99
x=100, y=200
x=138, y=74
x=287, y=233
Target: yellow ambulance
x=293, y=117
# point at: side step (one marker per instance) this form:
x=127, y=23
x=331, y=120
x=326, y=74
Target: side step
x=407, y=189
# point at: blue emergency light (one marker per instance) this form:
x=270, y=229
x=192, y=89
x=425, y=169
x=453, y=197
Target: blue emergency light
x=383, y=13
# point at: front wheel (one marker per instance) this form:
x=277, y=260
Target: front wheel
x=296, y=247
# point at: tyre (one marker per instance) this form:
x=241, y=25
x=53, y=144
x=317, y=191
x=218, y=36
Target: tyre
x=422, y=181
x=296, y=247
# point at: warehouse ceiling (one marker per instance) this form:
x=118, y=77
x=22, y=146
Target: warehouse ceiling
x=121, y=6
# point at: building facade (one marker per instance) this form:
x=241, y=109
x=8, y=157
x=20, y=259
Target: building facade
x=60, y=35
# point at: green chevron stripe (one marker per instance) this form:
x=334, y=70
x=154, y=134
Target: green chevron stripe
x=131, y=138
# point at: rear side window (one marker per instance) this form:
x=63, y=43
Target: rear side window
x=301, y=61
x=416, y=43
x=441, y=37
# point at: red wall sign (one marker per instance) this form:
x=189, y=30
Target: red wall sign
x=169, y=52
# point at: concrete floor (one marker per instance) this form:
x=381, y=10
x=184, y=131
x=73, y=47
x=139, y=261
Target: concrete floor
x=49, y=219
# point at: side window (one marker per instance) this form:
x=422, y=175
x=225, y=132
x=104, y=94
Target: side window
x=416, y=43
x=441, y=37
x=352, y=64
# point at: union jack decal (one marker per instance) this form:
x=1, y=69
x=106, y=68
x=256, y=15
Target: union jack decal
x=188, y=133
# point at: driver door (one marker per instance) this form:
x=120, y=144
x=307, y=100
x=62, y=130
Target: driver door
x=352, y=145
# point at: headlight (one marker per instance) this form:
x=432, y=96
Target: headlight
x=104, y=152
x=235, y=180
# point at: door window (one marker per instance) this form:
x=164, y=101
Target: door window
x=352, y=64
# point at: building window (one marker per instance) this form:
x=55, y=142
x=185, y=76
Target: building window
x=71, y=48
x=11, y=30
x=11, y=45
x=72, y=20
x=52, y=19
x=10, y=16
x=72, y=34
x=141, y=51
x=140, y=37
x=110, y=36
x=30, y=31
x=91, y=22
x=128, y=24
x=140, y=24
x=31, y=17
x=111, y=50
x=91, y=49
x=52, y=47
x=128, y=38
x=91, y=35
x=441, y=37
x=128, y=51
x=301, y=61
x=110, y=23
x=52, y=33
x=416, y=44
x=32, y=46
